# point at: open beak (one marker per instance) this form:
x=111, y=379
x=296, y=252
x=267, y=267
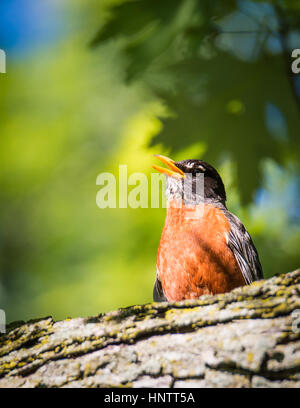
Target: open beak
x=172, y=171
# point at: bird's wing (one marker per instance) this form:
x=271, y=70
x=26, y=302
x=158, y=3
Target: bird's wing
x=240, y=242
x=158, y=293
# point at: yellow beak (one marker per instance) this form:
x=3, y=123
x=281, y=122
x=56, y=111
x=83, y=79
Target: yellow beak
x=172, y=171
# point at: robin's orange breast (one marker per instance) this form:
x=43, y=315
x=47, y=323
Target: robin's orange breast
x=193, y=257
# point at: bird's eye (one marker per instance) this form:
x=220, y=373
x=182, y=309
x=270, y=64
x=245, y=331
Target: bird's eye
x=201, y=168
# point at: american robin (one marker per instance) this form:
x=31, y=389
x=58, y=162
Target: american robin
x=209, y=252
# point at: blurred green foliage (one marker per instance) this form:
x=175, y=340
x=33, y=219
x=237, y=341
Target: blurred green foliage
x=133, y=78
x=216, y=83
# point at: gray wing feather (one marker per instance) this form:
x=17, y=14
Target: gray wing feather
x=158, y=293
x=241, y=244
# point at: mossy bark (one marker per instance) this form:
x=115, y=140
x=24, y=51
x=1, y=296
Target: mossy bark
x=246, y=338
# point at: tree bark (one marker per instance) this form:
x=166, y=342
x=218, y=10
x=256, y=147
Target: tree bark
x=249, y=337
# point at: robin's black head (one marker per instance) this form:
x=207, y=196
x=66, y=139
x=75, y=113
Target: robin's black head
x=185, y=180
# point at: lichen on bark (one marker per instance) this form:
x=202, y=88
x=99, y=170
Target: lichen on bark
x=245, y=338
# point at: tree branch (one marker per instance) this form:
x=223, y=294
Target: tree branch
x=246, y=338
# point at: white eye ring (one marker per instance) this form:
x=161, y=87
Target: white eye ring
x=201, y=168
